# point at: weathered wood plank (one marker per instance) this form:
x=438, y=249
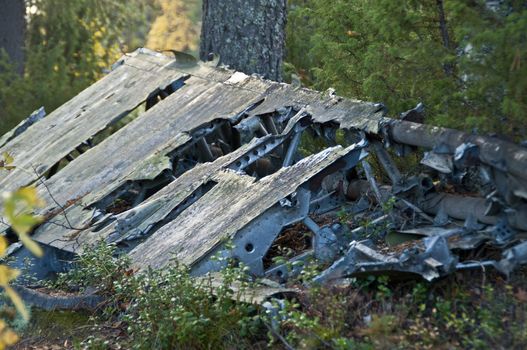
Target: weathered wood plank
x=109, y=99
x=164, y=127
x=234, y=202
x=323, y=108
x=125, y=155
x=57, y=233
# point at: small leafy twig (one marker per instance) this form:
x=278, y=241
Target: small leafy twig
x=278, y=336
x=61, y=207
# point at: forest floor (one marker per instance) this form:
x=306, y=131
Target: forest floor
x=54, y=330
x=467, y=310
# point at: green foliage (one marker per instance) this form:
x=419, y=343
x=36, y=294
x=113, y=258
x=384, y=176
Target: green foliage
x=166, y=309
x=495, y=67
x=47, y=325
x=376, y=313
x=318, y=320
x=394, y=52
x=68, y=45
x=171, y=310
x=96, y=267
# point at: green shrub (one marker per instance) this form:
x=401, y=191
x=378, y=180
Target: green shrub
x=167, y=309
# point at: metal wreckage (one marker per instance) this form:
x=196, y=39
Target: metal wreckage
x=221, y=163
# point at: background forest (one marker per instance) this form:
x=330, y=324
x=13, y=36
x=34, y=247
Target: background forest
x=70, y=44
x=465, y=60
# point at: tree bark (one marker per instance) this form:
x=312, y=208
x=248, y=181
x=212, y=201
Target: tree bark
x=12, y=29
x=248, y=35
x=444, y=33
x=443, y=25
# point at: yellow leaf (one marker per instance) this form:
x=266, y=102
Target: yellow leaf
x=7, y=274
x=29, y=195
x=7, y=338
x=31, y=245
x=17, y=301
x=8, y=159
x=18, y=208
x=23, y=223
x=5, y=161
x=3, y=245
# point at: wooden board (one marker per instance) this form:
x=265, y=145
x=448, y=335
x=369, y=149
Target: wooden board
x=161, y=129
x=111, y=98
x=234, y=202
x=58, y=234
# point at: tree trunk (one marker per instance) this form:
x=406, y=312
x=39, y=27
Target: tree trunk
x=248, y=35
x=444, y=33
x=12, y=29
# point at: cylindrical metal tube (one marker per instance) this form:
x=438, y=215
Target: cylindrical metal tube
x=461, y=207
x=291, y=151
x=497, y=153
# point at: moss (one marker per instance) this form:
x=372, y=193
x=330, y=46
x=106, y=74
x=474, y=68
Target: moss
x=57, y=325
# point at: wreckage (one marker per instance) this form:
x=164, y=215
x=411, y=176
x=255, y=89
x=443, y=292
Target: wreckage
x=171, y=159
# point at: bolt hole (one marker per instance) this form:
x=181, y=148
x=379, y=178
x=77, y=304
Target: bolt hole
x=249, y=247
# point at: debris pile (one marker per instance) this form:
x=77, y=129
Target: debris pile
x=221, y=164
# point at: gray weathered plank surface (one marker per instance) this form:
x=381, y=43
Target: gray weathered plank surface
x=324, y=108
x=168, y=198
x=162, y=128
x=109, y=99
x=234, y=202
